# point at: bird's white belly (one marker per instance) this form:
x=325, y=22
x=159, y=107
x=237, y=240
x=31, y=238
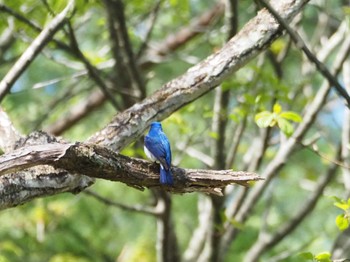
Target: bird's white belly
x=149, y=154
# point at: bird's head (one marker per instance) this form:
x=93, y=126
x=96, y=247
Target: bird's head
x=156, y=125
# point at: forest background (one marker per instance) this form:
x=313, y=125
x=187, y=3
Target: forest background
x=99, y=72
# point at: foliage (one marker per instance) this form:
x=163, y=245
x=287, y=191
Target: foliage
x=279, y=118
x=321, y=257
x=342, y=221
x=57, y=86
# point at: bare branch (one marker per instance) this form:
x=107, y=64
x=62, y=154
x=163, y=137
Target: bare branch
x=345, y=151
x=6, y=40
x=136, y=208
x=267, y=241
x=152, y=17
x=77, y=112
x=92, y=71
x=256, y=35
x=284, y=151
x=99, y=162
x=232, y=150
x=167, y=247
x=33, y=50
x=196, y=243
x=219, y=124
x=300, y=44
x=126, y=68
x=178, y=39
x=96, y=99
x=23, y=186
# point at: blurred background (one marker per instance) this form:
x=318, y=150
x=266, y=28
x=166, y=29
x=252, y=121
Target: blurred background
x=132, y=48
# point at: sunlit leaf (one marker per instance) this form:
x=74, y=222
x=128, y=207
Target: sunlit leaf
x=342, y=222
x=285, y=126
x=323, y=257
x=264, y=119
x=277, y=108
x=289, y=115
x=306, y=255
x=342, y=205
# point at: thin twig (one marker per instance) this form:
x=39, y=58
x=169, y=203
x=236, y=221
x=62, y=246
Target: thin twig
x=136, y=208
x=130, y=60
x=236, y=139
x=33, y=50
x=96, y=99
x=346, y=130
x=315, y=150
x=33, y=25
x=300, y=44
x=197, y=242
x=167, y=245
x=268, y=241
x=92, y=71
x=284, y=151
x=153, y=17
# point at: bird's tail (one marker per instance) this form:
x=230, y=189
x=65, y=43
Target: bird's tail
x=166, y=177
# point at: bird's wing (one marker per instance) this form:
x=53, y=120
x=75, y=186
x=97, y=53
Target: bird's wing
x=166, y=145
x=155, y=145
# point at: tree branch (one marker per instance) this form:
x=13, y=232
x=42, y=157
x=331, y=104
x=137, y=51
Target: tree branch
x=96, y=99
x=267, y=241
x=284, y=151
x=31, y=24
x=345, y=151
x=185, y=34
x=136, y=208
x=300, y=44
x=99, y=162
x=124, y=66
x=92, y=71
x=33, y=50
x=25, y=185
x=167, y=246
x=255, y=37
x=199, y=235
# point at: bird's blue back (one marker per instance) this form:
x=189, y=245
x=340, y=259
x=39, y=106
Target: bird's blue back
x=158, y=144
x=157, y=147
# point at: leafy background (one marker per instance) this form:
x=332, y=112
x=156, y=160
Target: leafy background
x=81, y=228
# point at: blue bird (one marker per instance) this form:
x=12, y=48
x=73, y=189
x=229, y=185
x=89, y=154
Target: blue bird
x=157, y=148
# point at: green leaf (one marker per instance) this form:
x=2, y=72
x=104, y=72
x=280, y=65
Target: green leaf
x=285, y=126
x=278, y=45
x=323, y=257
x=342, y=222
x=306, y=255
x=342, y=205
x=264, y=119
x=292, y=116
x=277, y=108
